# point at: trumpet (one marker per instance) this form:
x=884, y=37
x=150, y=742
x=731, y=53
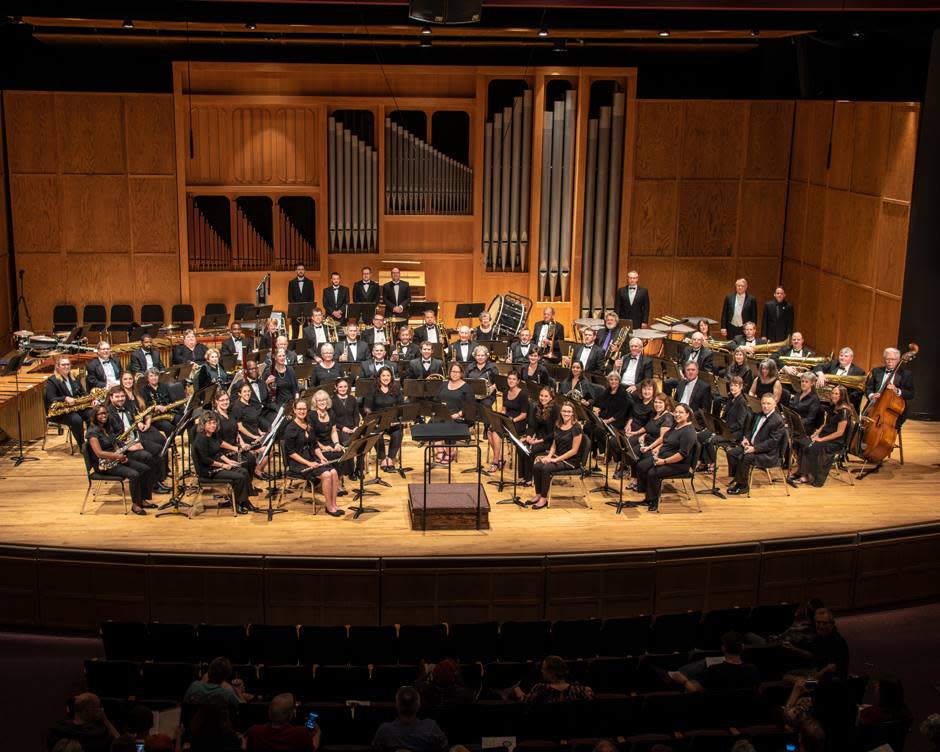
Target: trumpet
x=64, y=408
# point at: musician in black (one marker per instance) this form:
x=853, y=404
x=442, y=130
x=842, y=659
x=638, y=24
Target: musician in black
x=633, y=302
x=426, y=365
x=282, y=343
x=738, y=367
x=694, y=391
x=748, y=338
x=455, y=394
x=335, y=299
x=327, y=369
x=546, y=338
x=673, y=457
x=562, y=455
x=462, y=348
x=486, y=331
x=644, y=439
x=519, y=351
x=577, y=382
x=429, y=331
x=609, y=334
x=212, y=372
x=366, y=290
x=543, y=415
x=324, y=427
x=796, y=348
x=778, y=317
x=270, y=333
x=235, y=344
x=103, y=445
x=150, y=436
x=121, y=417
x=61, y=387
x=843, y=365
x=345, y=412
x=481, y=368
x=590, y=355
x=145, y=357
x=104, y=371
x=634, y=367
x=890, y=376
x=353, y=349
x=152, y=392
x=247, y=415
x=767, y=381
x=405, y=350
x=305, y=458
x=739, y=306
x=189, y=351
x=233, y=443
x=694, y=352
x=396, y=295
x=376, y=332
x=385, y=395
x=299, y=290
x=614, y=405
x=281, y=380
x=371, y=368
x=536, y=373
x=760, y=447
x=516, y=406
x=817, y=451
x=806, y=404
x=736, y=416
x=316, y=334
x=260, y=394
x=213, y=465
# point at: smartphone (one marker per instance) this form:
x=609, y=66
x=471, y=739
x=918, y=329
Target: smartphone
x=312, y=721
x=140, y=746
x=791, y=748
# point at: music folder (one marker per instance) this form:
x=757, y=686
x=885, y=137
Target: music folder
x=300, y=310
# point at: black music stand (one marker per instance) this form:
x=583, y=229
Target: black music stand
x=270, y=441
x=360, y=311
x=721, y=437
x=172, y=507
x=358, y=449
x=612, y=436
x=626, y=450
x=508, y=431
x=13, y=367
x=416, y=309
x=382, y=420
x=298, y=311
x=469, y=310
x=497, y=348
x=408, y=413
x=472, y=412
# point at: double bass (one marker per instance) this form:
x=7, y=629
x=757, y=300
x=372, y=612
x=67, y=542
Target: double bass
x=880, y=418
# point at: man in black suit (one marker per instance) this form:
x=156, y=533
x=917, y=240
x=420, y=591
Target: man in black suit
x=425, y=365
x=519, y=351
x=590, y=355
x=335, y=299
x=61, y=387
x=352, y=349
x=740, y=306
x=844, y=365
x=696, y=352
x=396, y=295
x=190, y=351
x=778, y=317
x=428, y=331
x=316, y=334
x=889, y=377
x=693, y=391
x=462, y=349
x=371, y=368
x=299, y=290
x=145, y=357
x=633, y=302
x=366, y=290
x=634, y=367
x=103, y=371
x=541, y=334
x=235, y=344
x=760, y=446
x=749, y=338
x=795, y=349
x=376, y=332
x=147, y=450
x=405, y=350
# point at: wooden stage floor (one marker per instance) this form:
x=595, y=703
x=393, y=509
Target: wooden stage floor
x=40, y=501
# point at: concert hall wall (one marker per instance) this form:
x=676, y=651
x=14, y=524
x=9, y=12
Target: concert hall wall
x=6, y=296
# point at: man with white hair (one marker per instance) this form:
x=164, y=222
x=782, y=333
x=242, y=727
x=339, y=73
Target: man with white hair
x=634, y=367
x=279, y=733
x=841, y=366
x=462, y=349
x=889, y=376
x=740, y=306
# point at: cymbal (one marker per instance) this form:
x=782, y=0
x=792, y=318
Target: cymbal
x=591, y=323
x=693, y=320
x=648, y=334
x=22, y=333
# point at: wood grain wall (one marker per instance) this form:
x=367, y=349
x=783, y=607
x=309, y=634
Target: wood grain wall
x=7, y=300
x=851, y=174
x=94, y=198
x=709, y=200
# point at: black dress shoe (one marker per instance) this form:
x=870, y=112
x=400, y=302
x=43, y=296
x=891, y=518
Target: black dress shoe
x=732, y=487
x=138, y=510
x=618, y=474
x=653, y=506
x=247, y=507
x=337, y=513
x=255, y=490
x=147, y=505
x=162, y=488
x=738, y=490
x=342, y=492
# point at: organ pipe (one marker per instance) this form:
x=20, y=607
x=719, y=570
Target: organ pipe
x=352, y=189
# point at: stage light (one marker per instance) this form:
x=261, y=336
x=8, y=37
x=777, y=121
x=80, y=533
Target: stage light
x=16, y=20
x=425, y=29
x=251, y=26
x=543, y=32
x=560, y=46
x=128, y=24
x=425, y=43
x=664, y=33
x=856, y=34
x=755, y=32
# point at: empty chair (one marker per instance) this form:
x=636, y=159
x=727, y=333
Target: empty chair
x=165, y=681
x=274, y=680
x=524, y=640
x=646, y=742
x=771, y=696
x=240, y=310
x=64, y=318
x=173, y=642
x=248, y=674
x=717, y=622
x=615, y=675
x=498, y=718
x=228, y=640
x=577, y=638
x=152, y=313
x=323, y=645
x=471, y=674
x=737, y=707
x=182, y=314
x=340, y=683
x=475, y=642
x=216, y=309
x=505, y=674
x=556, y=721
x=613, y=716
x=671, y=711
x=771, y=619
x=377, y=644
x=672, y=632
x=94, y=317
x=122, y=318
x=125, y=640
x=387, y=679
x=628, y=635
x=120, y=679
x=273, y=644
x=422, y=642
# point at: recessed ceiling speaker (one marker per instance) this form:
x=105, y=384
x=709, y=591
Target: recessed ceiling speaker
x=445, y=11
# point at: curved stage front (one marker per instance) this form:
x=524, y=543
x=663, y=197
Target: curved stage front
x=874, y=543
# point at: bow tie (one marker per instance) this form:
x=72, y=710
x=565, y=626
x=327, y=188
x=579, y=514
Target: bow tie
x=632, y=289
x=633, y=357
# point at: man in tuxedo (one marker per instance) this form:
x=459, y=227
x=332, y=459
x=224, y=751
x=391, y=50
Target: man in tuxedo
x=121, y=417
x=299, y=290
x=590, y=355
x=316, y=334
x=843, y=365
x=281, y=343
x=634, y=367
x=375, y=333
x=778, y=317
x=406, y=350
x=61, y=387
x=519, y=351
x=103, y=371
x=760, y=446
x=352, y=349
x=795, y=349
x=611, y=330
x=748, y=338
x=235, y=344
x=424, y=366
x=190, y=351
x=540, y=334
x=693, y=391
x=696, y=352
x=428, y=331
x=462, y=349
x=633, y=302
x=145, y=357
x=371, y=368
x=366, y=290
x=396, y=295
x=740, y=306
x=335, y=299
x=889, y=377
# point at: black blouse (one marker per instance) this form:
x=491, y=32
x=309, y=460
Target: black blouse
x=763, y=388
x=322, y=430
x=640, y=414
x=455, y=399
x=345, y=412
x=564, y=440
x=480, y=336
x=205, y=450
x=616, y=406
x=746, y=374
x=680, y=441
x=831, y=425
x=488, y=372
x=321, y=374
x=286, y=385
x=541, y=376
x=207, y=375
x=736, y=416
x=542, y=428
x=248, y=415
x=654, y=426
x=379, y=400
x=516, y=407
x=298, y=441
x=587, y=388
x=106, y=440
x=808, y=408
x=228, y=429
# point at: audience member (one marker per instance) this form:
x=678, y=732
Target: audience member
x=743, y=745
x=215, y=684
x=67, y=745
x=408, y=731
x=812, y=737
x=605, y=745
x=138, y=723
x=89, y=726
x=889, y=704
x=443, y=687
x=279, y=735
x=830, y=704
x=931, y=729
x=554, y=686
x=211, y=728
x=160, y=743
x=828, y=651
x=729, y=674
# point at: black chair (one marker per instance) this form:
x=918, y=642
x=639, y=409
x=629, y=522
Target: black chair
x=769, y=737
x=216, y=309
x=340, y=683
x=475, y=642
x=688, y=491
x=120, y=679
x=780, y=464
x=122, y=318
x=228, y=640
x=240, y=310
x=273, y=644
x=417, y=642
x=647, y=742
x=182, y=314
x=248, y=673
x=173, y=642
x=524, y=640
x=709, y=740
x=893, y=733
x=576, y=638
x=152, y=313
x=505, y=674
x=615, y=716
x=731, y=708
x=612, y=675
x=96, y=479
x=64, y=318
x=125, y=640
x=628, y=635
x=323, y=645
x=671, y=711
x=387, y=679
x=370, y=645
x=672, y=632
x=716, y=622
x=771, y=618
x=166, y=681
x=95, y=317
x=274, y=680
x=581, y=470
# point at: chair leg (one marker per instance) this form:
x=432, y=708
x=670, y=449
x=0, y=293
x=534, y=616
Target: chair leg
x=901, y=448
x=71, y=445
x=124, y=495
x=750, y=477
x=85, y=500
x=232, y=497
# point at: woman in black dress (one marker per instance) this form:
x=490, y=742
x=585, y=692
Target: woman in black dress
x=327, y=433
x=247, y=417
x=305, y=457
x=658, y=424
x=212, y=372
x=345, y=413
x=232, y=435
x=481, y=368
x=642, y=409
x=738, y=367
x=270, y=334
x=386, y=394
x=543, y=415
x=562, y=455
x=673, y=457
x=281, y=380
x=213, y=465
x=150, y=435
x=578, y=381
x=455, y=393
x=535, y=372
x=327, y=369
x=767, y=381
x=485, y=332
x=101, y=444
x=515, y=404
x=817, y=452
x=806, y=403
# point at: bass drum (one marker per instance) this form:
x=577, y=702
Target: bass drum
x=508, y=315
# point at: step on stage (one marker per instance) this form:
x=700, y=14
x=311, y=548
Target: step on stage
x=450, y=506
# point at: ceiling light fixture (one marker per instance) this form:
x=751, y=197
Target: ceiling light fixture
x=425, y=29
x=128, y=24
x=543, y=32
x=251, y=26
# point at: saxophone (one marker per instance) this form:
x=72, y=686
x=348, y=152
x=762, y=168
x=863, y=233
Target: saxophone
x=123, y=442
x=64, y=408
x=168, y=415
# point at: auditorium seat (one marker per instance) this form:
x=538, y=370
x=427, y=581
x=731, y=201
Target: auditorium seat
x=323, y=645
x=64, y=318
x=273, y=644
x=275, y=680
x=769, y=737
x=524, y=640
x=624, y=636
x=576, y=638
x=771, y=619
x=617, y=675
x=376, y=644
x=228, y=640
x=732, y=708
x=556, y=721
x=215, y=309
x=646, y=742
x=125, y=640
x=182, y=314
x=669, y=711
x=422, y=642
x=165, y=681
x=716, y=622
x=709, y=740
x=504, y=674
x=152, y=313
x=173, y=642
x=122, y=318
x=386, y=680
x=120, y=679
x=475, y=642
x=340, y=683
x=615, y=716
x=94, y=317
x=334, y=716
x=671, y=632
x=248, y=673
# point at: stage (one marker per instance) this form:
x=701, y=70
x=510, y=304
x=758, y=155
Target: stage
x=40, y=502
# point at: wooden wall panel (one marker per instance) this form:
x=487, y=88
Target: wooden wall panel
x=447, y=234
x=902, y=148
x=802, y=140
x=713, y=139
x=31, y=131
x=872, y=135
x=36, y=201
x=769, y=128
x=657, y=139
x=653, y=222
x=6, y=290
x=763, y=217
x=707, y=217
x=892, y=246
x=842, y=147
x=95, y=213
x=44, y=290
x=153, y=213
x=90, y=128
x=151, y=141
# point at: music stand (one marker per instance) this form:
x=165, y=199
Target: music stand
x=508, y=431
x=13, y=367
x=298, y=311
x=497, y=348
x=359, y=448
x=267, y=448
x=416, y=309
x=382, y=420
x=720, y=437
x=172, y=507
x=472, y=412
x=361, y=311
x=626, y=450
x=612, y=435
x=469, y=310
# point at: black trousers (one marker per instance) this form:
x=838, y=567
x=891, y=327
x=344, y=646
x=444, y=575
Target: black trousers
x=153, y=442
x=816, y=459
x=395, y=436
x=139, y=478
x=543, y=473
x=239, y=478
x=526, y=464
x=740, y=464
x=649, y=477
x=154, y=465
x=75, y=422
x=734, y=331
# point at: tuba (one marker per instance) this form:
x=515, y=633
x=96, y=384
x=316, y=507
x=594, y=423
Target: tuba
x=806, y=363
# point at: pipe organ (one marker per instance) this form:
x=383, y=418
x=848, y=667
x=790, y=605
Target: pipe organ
x=353, y=190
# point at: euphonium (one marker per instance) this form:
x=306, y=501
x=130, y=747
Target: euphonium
x=435, y=377
x=769, y=347
x=80, y=403
x=807, y=363
x=849, y=382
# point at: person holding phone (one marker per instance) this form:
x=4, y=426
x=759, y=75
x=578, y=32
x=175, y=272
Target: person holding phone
x=279, y=734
